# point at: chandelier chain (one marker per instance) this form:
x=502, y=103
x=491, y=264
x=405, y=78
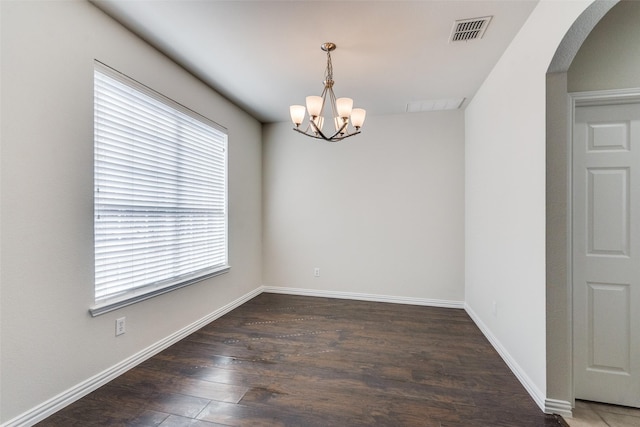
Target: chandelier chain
x=328, y=75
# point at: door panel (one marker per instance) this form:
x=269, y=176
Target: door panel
x=606, y=253
x=608, y=211
x=609, y=323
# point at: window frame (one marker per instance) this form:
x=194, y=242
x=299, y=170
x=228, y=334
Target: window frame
x=140, y=293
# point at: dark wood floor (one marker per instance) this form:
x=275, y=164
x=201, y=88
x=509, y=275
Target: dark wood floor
x=282, y=360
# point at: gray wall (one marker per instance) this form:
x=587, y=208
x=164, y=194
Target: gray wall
x=50, y=343
x=610, y=56
x=558, y=341
x=381, y=214
x=505, y=196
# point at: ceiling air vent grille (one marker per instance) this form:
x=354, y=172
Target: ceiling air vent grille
x=469, y=29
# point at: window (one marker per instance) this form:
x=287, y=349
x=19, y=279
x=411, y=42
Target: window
x=160, y=193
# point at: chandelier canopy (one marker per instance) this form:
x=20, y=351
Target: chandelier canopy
x=342, y=113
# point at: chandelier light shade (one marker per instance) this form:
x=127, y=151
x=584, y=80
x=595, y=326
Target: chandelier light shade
x=345, y=121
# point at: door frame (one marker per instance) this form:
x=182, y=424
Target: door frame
x=581, y=99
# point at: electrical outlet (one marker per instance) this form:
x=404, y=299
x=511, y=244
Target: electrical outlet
x=494, y=309
x=120, y=326
x=316, y=272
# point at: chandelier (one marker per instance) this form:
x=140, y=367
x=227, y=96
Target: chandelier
x=342, y=111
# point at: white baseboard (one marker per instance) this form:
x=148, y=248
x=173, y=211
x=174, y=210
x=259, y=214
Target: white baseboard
x=69, y=396
x=533, y=390
x=364, y=297
x=560, y=407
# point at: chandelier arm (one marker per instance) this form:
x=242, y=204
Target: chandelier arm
x=348, y=135
x=306, y=130
x=316, y=130
x=339, y=132
x=321, y=135
x=314, y=126
x=318, y=135
x=324, y=138
x=335, y=138
x=304, y=133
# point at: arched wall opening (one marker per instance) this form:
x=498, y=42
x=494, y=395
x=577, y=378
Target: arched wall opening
x=560, y=391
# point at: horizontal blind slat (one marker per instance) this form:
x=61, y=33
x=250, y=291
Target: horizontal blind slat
x=160, y=191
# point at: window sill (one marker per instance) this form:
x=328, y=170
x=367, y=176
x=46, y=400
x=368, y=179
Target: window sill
x=111, y=305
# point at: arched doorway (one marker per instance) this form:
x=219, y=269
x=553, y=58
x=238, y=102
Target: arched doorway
x=560, y=380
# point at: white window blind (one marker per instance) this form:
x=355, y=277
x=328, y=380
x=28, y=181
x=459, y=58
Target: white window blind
x=160, y=193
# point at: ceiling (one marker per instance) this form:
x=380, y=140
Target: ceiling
x=265, y=55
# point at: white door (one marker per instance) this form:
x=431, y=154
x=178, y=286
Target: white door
x=606, y=253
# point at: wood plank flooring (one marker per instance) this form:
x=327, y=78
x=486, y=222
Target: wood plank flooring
x=282, y=360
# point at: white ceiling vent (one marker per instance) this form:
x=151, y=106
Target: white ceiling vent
x=434, y=105
x=469, y=29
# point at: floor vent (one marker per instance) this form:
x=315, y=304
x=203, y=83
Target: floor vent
x=469, y=29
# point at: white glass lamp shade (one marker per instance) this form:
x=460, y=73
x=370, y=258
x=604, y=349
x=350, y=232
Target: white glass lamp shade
x=297, y=114
x=344, y=106
x=357, y=117
x=314, y=105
